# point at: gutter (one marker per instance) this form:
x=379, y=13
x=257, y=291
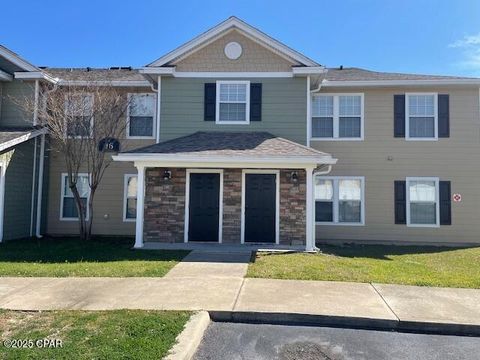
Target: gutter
x=367, y=83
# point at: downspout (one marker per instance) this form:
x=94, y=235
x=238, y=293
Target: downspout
x=317, y=171
x=158, y=91
x=32, y=206
x=35, y=108
x=40, y=187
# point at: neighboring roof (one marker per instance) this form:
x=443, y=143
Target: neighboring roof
x=15, y=135
x=231, y=145
x=227, y=25
x=11, y=62
x=85, y=76
x=357, y=76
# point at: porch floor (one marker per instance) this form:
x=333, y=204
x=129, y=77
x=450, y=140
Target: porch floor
x=216, y=247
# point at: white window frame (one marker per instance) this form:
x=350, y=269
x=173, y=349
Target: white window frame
x=336, y=117
x=335, y=200
x=126, y=177
x=247, y=102
x=91, y=119
x=62, y=196
x=437, y=200
x=154, y=125
x=407, y=116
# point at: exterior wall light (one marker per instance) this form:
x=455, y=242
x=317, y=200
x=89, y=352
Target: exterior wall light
x=167, y=175
x=294, y=177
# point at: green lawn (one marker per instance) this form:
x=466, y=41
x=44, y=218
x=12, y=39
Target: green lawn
x=120, y=334
x=410, y=265
x=72, y=257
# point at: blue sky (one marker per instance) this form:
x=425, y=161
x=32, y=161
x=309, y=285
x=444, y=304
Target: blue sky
x=422, y=36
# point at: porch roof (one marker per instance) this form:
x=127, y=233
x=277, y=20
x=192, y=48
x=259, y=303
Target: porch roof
x=10, y=137
x=229, y=146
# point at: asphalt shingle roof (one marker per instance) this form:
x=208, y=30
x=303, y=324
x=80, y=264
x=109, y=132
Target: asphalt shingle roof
x=92, y=74
x=9, y=134
x=357, y=74
x=221, y=143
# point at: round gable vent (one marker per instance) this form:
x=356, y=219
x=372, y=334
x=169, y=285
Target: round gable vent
x=233, y=50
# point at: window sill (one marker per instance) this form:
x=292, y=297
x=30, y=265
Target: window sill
x=420, y=139
x=336, y=139
x=140, y=138
x=130, y=220
x=429, y=226
x=218, y=122
x=339, y=224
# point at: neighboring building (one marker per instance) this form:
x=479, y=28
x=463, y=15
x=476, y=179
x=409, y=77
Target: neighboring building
x=237, y=138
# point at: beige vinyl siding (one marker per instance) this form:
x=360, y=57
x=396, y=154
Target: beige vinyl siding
x=284, y=104
x=254, y=57
x=454, y=159
x=11, y=114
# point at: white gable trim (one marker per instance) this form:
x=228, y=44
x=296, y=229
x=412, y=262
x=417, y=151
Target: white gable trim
x=5, y=76
x=233, y=23
x=17, y=60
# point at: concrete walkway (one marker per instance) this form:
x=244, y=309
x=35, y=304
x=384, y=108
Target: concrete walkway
x=215, y=282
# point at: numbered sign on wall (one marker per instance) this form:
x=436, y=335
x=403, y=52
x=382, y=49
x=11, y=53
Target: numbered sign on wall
x=109, y=145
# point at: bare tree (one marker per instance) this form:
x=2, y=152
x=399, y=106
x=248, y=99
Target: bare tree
x=83, y=123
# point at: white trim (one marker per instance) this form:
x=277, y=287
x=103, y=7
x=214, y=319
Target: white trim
x=367, y=83
x=22, y=138
x=126, y=177
x=298, y=162
x=187, y=201
x=16, y=60
x=154, y=118
x=62, y=196
x=233, y=23
x=277, y=201
x=308, y=70
x=4, y=76
x=3, y=169
x=437, y=201
x=159, y=106
x=34, y=171
x=310, y=210
x=35, y=75
x=335, y=200
x=407, y=116
x=40, y=187
x=246, y=102
x=241, y=75
x=309, y=112
x=35, y=108
x=336, y=117
x=157, y=70
x=140, y=206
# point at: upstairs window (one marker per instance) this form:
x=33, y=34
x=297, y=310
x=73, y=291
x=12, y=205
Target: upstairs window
x=79, y=115
x=141, y=116
x=422, y=117
x=233, y=102
x=337, y=117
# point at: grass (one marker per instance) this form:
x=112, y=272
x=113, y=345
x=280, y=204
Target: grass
x=119, y=334
x=59, y=257
x=408, y=265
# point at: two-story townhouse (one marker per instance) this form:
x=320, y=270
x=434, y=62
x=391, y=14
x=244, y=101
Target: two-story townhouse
x=242, y=140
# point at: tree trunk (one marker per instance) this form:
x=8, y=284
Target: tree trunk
x=80, y=210
x=88, y=229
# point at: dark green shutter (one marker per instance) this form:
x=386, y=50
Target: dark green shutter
x=400, y=193
x=256, y=102
x=399, y=116
x=443, y=116
x=445, y=203
x=209, y=100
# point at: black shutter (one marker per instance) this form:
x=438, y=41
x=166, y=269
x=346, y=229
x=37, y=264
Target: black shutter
x=445, y=203
x=399, y=116
x=443, y=116
x=400, y=202
x=256, y=102
x=210, y=99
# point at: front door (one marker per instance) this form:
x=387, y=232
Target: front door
x=260, y=208
x=204, y=202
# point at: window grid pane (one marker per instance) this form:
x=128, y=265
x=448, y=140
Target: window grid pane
x=142, y=105
x=350, y=105
x=141, y=126
x=421, y=105
x=232, y=112
x=322, y=127
x=233, y=102
x=422, y=127
x=349, y=127
x=322, y=106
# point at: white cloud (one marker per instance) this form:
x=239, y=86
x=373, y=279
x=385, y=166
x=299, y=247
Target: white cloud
x=469, y=46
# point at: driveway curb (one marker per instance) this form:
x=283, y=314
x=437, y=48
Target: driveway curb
x=189, y=339
x=345, y=321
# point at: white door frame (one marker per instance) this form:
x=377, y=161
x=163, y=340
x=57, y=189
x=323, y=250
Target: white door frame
x=277, y=201
x=187, y=200
x=3, y=168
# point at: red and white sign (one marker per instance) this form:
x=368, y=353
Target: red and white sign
x=457, y=197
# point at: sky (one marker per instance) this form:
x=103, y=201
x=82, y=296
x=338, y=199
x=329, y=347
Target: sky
x=413, y=36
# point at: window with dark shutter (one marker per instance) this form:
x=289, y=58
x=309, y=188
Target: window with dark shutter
x=209, y=100
x=256, y=102
x=399, y=116
x=400, y=193
x=445, y=203
x=443, y=116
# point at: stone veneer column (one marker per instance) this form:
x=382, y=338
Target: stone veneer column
x=292, y=208
x=232, y=205
x=164, y=205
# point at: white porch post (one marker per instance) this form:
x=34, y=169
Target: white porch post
x=310, y=231
x=140, y=206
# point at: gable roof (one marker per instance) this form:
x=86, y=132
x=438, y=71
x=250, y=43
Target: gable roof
x=11, y=62
x=244, y=28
